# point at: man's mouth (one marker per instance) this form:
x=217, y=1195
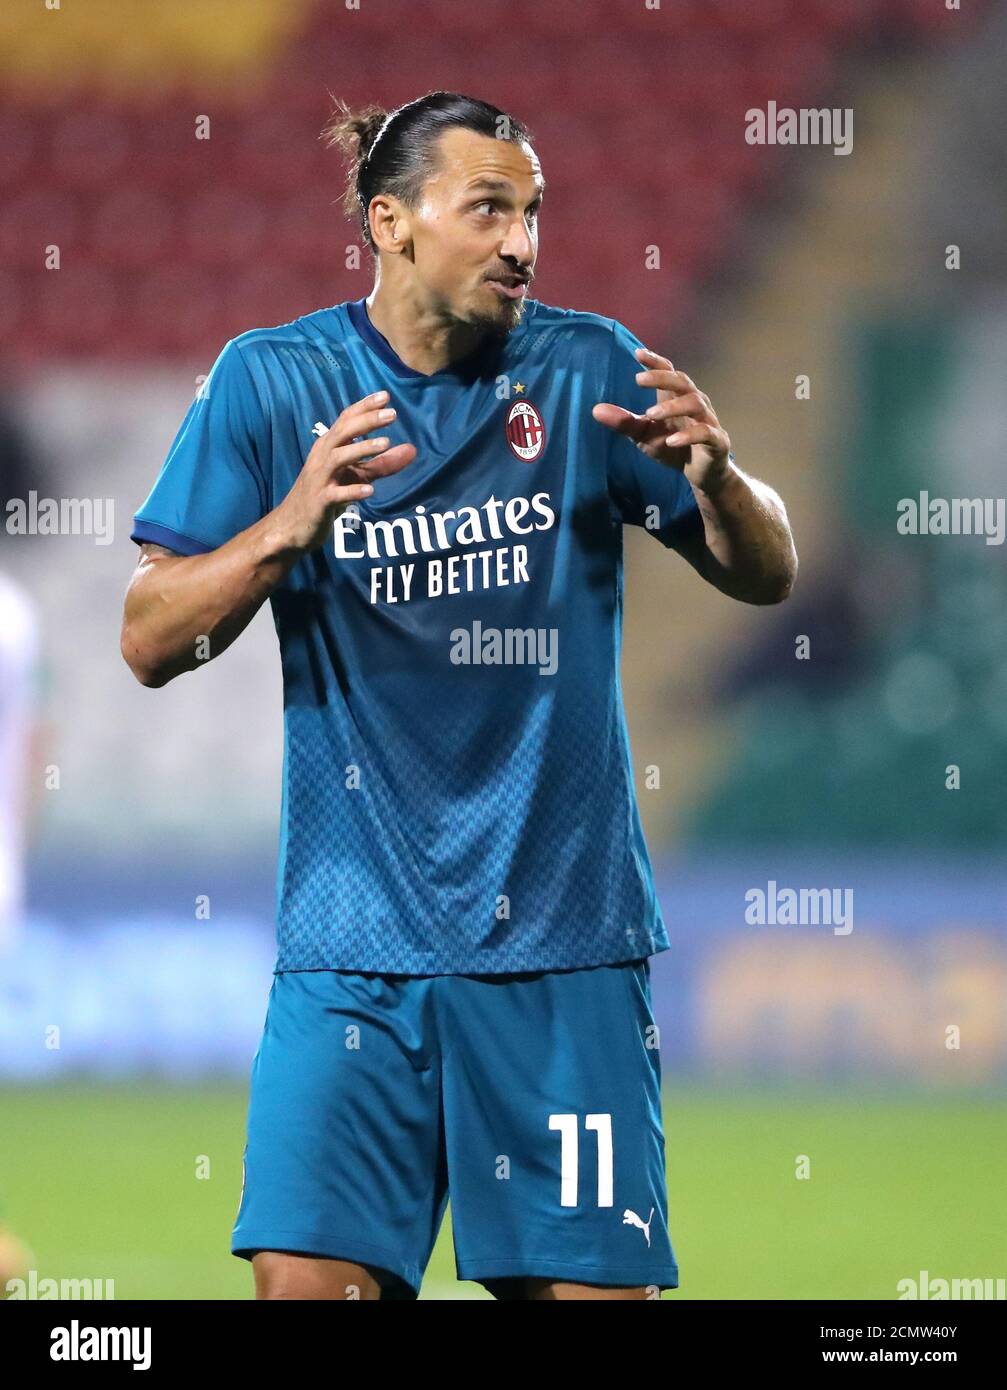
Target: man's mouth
x=510, y=286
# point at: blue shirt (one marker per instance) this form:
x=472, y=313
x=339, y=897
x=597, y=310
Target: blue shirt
x=458, y=796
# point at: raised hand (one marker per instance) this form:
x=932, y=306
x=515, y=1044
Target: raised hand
x=340, y=469
x=680, y=429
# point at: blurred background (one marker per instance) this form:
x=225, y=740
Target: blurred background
x=164, y=189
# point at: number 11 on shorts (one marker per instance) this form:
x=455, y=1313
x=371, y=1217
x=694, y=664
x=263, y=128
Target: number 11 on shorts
x=569, y=1156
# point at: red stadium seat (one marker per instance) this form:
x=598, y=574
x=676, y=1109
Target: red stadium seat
x=18, y=149
x=567, y=19
x=275, y=152
x=489, y=23
x=14, y=306
x=32, y=221
x=168, y=241
x=222, y=227
x=663, y=29
x=77, y=309
x=171, y=307
x=130, y=228
x=89, y=149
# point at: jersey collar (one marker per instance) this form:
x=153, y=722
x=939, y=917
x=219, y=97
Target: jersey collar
x=379, y=344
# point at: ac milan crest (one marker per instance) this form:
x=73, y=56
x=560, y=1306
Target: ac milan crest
x=525, y=431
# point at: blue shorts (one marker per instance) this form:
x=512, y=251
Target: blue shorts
x=533, y=1101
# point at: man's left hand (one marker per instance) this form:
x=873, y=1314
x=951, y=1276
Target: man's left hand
x=681, y=429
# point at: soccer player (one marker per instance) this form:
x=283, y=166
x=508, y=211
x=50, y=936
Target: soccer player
x=430, y=486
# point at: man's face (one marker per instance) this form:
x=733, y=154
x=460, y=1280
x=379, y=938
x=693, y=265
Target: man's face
x=475, y=232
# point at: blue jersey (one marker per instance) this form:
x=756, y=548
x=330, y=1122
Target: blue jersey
x=458, y=795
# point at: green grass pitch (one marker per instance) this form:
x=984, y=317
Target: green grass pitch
x=101, y=1182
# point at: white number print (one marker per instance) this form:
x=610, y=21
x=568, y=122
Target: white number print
x=569, y=1156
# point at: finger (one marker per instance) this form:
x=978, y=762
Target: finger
x=348, y=455
x=676, y=382
x=342, y=494
x=385, y=463
x=653, y=358
x=349, y=426
x=690, y=405
x=620, y=420
x=375, y=401
x=360, y=418
x=378, y=400
x=391, y=461
x=698, y=434
x=660, y=362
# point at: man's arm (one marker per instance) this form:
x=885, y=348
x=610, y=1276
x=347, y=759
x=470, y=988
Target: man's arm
x=183, y=610
x=747, y=550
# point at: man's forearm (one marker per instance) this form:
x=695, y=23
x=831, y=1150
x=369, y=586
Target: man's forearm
x=183, y=610
x=749, y=552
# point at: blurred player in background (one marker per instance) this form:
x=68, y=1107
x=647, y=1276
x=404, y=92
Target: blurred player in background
x=466, y=907
x=20, y=779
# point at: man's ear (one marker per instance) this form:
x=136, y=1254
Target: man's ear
x=389, y=224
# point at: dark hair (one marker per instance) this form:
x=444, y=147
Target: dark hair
x=394, y=152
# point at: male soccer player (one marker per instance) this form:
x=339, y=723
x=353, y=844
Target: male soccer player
x=465, y=903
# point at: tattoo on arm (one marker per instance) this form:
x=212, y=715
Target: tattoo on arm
x=709, y=515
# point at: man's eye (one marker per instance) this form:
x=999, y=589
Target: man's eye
x=491, y=206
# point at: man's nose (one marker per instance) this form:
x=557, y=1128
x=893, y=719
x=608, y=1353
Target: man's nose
x=517, y=244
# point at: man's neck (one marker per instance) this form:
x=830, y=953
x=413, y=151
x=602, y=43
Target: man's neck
x=420, y=337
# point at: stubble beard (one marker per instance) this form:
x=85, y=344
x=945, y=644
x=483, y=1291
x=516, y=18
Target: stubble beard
x=497, y=327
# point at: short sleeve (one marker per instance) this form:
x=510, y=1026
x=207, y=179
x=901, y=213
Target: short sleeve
x=213, y=482
x=644, y=492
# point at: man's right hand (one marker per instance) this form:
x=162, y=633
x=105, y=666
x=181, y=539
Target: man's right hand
x=338, y=472
x=183, y=610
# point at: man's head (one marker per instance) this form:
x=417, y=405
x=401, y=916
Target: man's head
x=448, y=190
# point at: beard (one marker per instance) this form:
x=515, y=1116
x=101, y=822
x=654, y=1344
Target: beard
x=498, y=325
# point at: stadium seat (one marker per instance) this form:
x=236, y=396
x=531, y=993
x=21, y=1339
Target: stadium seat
x=121, y=182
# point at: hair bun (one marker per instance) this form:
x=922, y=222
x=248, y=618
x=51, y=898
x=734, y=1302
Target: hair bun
x=367, y=128
x=354, y=132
